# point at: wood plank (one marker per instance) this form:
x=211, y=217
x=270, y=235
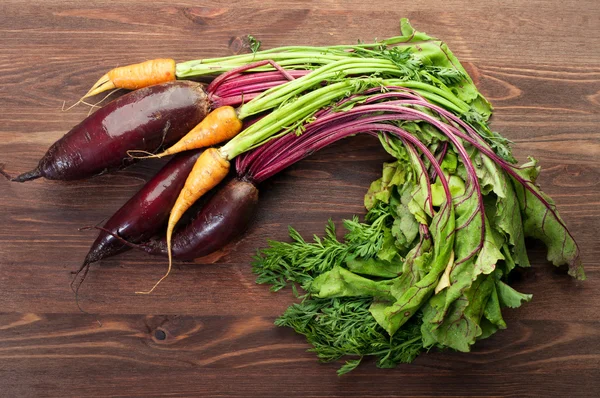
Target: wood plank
x=223, y=353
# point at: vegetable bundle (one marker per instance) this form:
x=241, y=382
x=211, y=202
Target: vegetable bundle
x=445, y=226
x=445, y=223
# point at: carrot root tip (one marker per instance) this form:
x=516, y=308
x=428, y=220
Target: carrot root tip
x=159, y=281
x=169, y=232
x=156, y=284
x=30, y=175
x=103, y=84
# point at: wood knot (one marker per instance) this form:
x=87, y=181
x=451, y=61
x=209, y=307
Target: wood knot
x=168, y=330
x=160, y=335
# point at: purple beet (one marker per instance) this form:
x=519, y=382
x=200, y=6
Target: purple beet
x=224, y=217
x=146, y=212
x=146, y=119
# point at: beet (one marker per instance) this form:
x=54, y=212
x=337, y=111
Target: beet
x=224, y=217
x=146, y=212
x=147, y=119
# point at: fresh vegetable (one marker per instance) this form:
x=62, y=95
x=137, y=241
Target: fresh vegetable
x=222, y=218
x=406, y=64
x=208, y=171
x=142, y=216
x=445, y=80
x=219, y=125
x=418, y=56
x=189, y=242
x=228, y=212
x=297, y=100
x=132, y=77
x=428, y=267
x=147, y=119
x=294, y=113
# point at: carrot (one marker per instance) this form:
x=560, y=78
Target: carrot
x=220, y=125
x=132, y=77
x=209, y=170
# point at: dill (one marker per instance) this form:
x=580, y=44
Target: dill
x=341, y=327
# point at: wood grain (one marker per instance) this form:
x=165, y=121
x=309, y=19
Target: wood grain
x=537, y=61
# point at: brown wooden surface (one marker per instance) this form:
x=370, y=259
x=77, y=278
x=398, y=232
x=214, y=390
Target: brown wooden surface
x=537, y=61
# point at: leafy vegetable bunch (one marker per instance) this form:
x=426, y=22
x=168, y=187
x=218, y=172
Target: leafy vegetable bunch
x=445, y=226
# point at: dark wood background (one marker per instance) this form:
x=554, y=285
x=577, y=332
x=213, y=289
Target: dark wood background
x=537, y=61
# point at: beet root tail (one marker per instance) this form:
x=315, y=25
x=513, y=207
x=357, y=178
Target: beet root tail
x=30, y=175
x=76, y=284
x=78, y=277
x=148, y=247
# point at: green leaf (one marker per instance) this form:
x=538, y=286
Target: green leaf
x=503, y=209
x=420, y=192
x=412, y=298
x=410, y=180
x=349, y=366
x=469, y=226
x=509, y=263
x=456, y=185
x=405, y=227
x=394, y=174
x=467, y=246
x=463, y=274
x=490, y=253
x=487, y=329
x=415, y=267
x=388, y=250
x=509, y=297
x=374, y=267
x=542, y=221
x=376, y=193
x=299, y=261
x=254, y=43
x=493, y=312
x=339, y=282
x=425, y=132
x=366, y=240
x=459, y=328
x=431, y=51
x=394, y=147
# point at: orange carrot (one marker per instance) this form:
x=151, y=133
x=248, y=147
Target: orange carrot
x=135, y=76
x=220, y=125
x=209, y=170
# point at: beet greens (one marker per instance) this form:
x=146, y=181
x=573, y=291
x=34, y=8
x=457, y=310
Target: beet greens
x=445, y=226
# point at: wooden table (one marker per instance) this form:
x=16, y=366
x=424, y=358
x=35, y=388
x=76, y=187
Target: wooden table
x=537, y=61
